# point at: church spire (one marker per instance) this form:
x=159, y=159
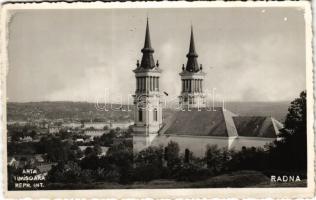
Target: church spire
x=147, y=59
x=192, y=64
x=147, y=37
x=192, y=46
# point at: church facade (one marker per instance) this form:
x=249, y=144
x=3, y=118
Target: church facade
x=195, y=126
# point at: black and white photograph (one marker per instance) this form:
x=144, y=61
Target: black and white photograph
x=192, y=96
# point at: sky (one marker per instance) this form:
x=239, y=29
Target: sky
x=249, y=54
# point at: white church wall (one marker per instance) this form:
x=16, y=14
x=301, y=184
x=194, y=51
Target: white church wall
x=240, y=142
x=196, y=144
x=141, y=142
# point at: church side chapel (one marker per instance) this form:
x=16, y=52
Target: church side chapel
x=195, y=126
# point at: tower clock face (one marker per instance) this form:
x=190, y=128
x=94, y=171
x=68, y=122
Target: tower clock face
x=141, y=101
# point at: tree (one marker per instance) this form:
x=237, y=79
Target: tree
x=15, y=136
x=192, y=172
x=90, y=162
x=12, y=172
x=247, y=159
x=121, y=156
x=290, y=153
x=69, y=172
x=88, y=151
x=171, y=154
x=56, y=150
x=32, y=134
x=187, y=156
x=79, y=153
x=149, y=164
x=118, y=129
x=295, y=120
x=213, y=158
x=107, y=139
x=97, y=149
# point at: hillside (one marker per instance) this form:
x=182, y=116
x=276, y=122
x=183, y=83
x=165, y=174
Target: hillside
x=65, y=110
x=278, y=110
x=87, y=111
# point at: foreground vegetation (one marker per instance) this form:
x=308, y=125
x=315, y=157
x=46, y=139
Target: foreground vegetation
x=237, y=179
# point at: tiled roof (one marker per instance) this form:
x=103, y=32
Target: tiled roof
x=277, y=125
x=194, y=122
x=219, y=122
x=230, y=125
x=253, y=126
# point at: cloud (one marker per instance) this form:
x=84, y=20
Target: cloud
x=75, y=55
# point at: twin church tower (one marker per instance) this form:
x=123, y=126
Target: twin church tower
x=193, y=129
x=147, y=98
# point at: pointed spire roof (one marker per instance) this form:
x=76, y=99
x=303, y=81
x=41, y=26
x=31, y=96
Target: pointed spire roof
x=192, y=45
x=147, y=59
x=192, y=64
x=147, y=43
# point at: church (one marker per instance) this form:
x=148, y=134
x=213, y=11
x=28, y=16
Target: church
x=195, y=126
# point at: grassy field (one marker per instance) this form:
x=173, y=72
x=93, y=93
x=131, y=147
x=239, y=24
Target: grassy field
x=237, y=179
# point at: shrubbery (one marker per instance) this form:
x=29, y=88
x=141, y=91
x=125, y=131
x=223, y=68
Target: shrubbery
x=71, y=172
x=159, y=163
x=149, y=164
x=116, y=166
x=192, y=172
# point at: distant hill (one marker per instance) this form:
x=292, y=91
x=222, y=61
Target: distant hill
x=278, y=110
x=66, y=110
x=87, y=111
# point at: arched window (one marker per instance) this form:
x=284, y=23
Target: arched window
x=155, y=114
x=140, y=115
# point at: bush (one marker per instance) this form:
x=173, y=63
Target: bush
x=120, y=157
x=192, y=172
x=149, y=164
x=171, y=155
x=69, y=172
x=109, y=175
x=217, y=159
x=248, y=159
x=147, y=172
x=90, y=162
